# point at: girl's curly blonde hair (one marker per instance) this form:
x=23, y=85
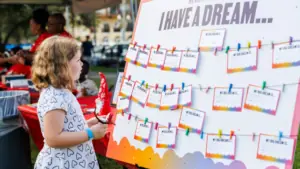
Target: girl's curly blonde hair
x=51, y=63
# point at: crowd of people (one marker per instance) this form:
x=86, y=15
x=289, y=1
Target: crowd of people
x=44, y=25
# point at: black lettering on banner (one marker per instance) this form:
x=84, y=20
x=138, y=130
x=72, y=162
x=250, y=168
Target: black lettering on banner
x=213, y=14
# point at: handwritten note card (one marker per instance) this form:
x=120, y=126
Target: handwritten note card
x=185, y=97
x=172, y=61
x=117, y=87
x=126, y=89
x=169, y=100
x=154, y=98
x=166, y=138
x=192, y=119
x=212, y=39
x=189, y=61
x=242, y=60
x=157, y=58
x=139, y=94
x=143, y=57
x=122, y=104
x=223, y=147
x=271, y=148
x=143, y=131
x=286, y=55
x=265, y=101
x=19, y=83
x=228, y=101
x=132, y=53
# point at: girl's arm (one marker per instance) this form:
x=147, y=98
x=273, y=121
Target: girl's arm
x=56, y=138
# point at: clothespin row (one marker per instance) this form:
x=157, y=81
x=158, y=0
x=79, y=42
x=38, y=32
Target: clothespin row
x=264, y=85
x=230, y=87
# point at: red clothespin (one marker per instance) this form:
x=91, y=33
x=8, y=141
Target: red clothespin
x=231, y=134
x=122, y=112
x=259, y=44
x=144, y=47
x=135, y=43
x=156, y=86
x=172, y=86
x=253, y=137
x=156, y=126
x=173, y=49
x=129, y=77
x=129, y=116
x=157, y=48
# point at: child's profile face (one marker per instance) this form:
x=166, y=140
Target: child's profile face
x=76, y=66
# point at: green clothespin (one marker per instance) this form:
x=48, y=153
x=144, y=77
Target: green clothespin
x=187, y=131
x=146, y=120
x=264, y=85
x=146, y=85
x=227, y=49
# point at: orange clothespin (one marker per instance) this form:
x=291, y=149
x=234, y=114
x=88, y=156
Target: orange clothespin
x=259, y=44
x=173, y=49
x=231, y=134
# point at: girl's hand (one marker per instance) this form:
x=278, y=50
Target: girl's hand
x=94, y=120
x=99, y=130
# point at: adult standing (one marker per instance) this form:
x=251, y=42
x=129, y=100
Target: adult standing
x=87, y=47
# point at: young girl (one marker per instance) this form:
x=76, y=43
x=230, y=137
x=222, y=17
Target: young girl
x=67, y=136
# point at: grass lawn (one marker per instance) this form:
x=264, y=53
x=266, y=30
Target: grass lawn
x=103, y=69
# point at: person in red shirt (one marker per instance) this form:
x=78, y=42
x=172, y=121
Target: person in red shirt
x=38, y=24
x=56, y=25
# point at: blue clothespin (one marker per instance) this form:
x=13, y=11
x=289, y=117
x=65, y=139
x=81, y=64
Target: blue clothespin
x=202, y=135
x=165, y=88
x=239, y=47
x=143, y=82
x=291, y=40
x=230, y=87
x=182, y=85
x=280, y=135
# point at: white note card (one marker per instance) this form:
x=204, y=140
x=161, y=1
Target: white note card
x=265, y=101
x=243, y=60
x=166, y=137
x=228, y=101
x=220, y=147
x=185, y=96
x=157, y=58
x=172, y=61
x=143, y=57
x=286, y=55
x=169, y=100
x=271, y=148
x=139, y=94
x=19, y=83
x=189, y=61
x=143, y=131
x=127, y=88
x=122, y=103
x=212, y=39
x=154, y=98
x=132, y=53
x=191, y=119
x=117, y=87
